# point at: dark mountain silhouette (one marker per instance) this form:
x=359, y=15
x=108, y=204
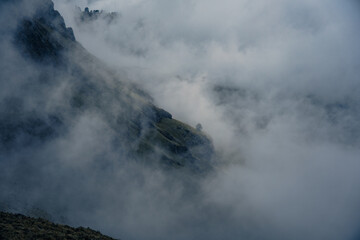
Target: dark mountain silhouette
x=91, y=15
x=150, y=132
x=62, y=108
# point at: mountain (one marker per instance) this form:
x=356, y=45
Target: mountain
x=70, y=83
x=92, y=15
x=77, y=139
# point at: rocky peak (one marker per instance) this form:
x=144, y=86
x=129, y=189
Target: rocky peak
x=145, y=131
x=44, y=34
x=91, y=15
x=49, y=16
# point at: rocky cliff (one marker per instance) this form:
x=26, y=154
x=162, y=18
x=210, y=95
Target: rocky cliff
x=145, y=132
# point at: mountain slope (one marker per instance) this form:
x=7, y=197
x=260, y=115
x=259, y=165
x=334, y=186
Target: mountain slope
x=85, y=86
x=80, y=142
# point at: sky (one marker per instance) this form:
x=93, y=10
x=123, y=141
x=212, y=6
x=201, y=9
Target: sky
x=275, y=85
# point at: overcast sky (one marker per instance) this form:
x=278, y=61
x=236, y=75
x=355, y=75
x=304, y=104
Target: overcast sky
x=276, y=86
x=285, y=118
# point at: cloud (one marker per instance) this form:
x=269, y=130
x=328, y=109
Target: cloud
x=275, y=85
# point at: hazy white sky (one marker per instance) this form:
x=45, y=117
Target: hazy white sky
x=274, y=83
x=290, y=128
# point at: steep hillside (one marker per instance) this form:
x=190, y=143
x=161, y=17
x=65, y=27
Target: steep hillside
x=78, y=140
x=70, y=83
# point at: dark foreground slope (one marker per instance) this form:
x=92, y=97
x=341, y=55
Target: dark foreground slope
x=17, y=226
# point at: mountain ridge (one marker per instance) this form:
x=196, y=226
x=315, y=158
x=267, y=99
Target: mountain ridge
x=45, y=39
x=70, y=125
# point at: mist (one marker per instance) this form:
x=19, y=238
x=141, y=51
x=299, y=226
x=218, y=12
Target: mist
x=275, y=85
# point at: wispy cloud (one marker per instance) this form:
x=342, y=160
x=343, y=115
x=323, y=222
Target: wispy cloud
x=275, y=84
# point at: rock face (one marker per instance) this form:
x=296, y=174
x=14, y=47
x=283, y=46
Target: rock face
x=45, y=34
x=17, y=226
x=91, y=15
x=70, y=82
